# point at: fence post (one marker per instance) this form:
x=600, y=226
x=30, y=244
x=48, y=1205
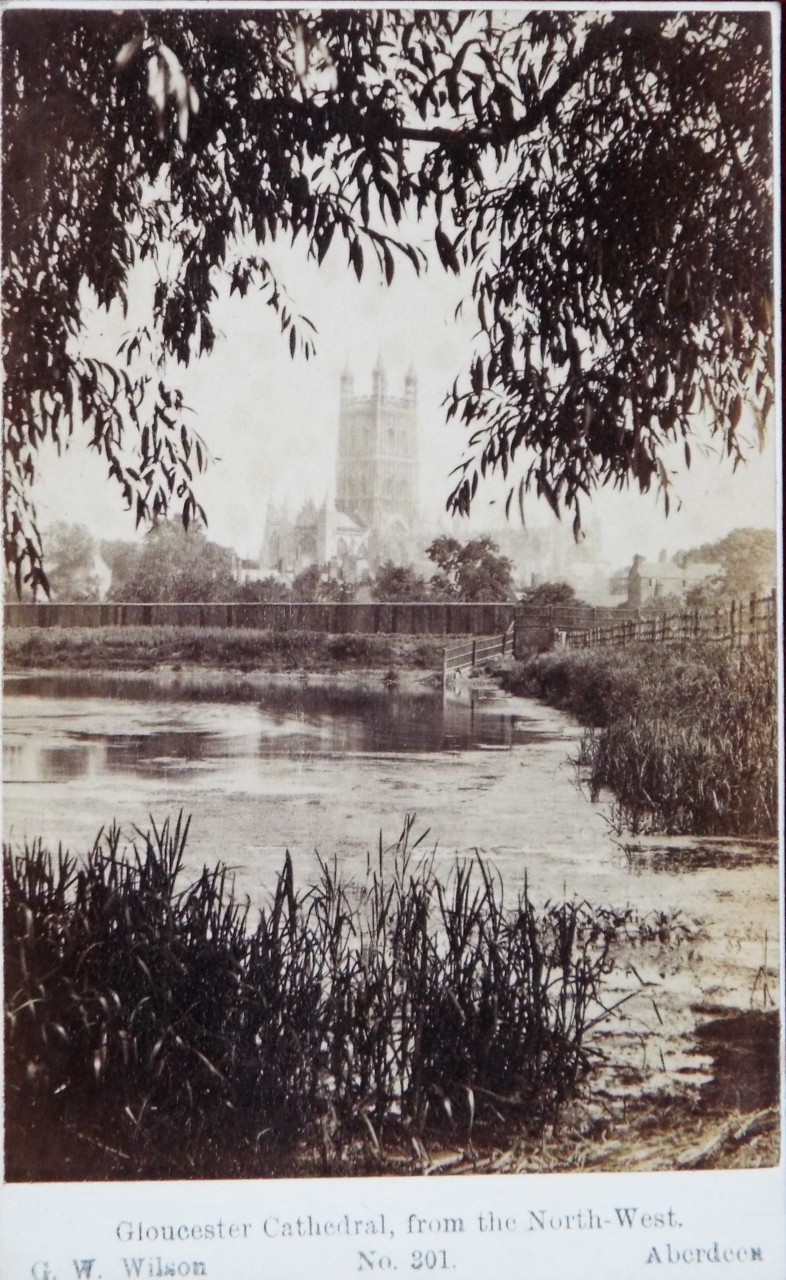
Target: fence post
x=474, y=648
x=753, y=617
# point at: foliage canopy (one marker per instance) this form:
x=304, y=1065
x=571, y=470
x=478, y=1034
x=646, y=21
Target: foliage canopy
x=551, y=593
x=470, y=571
x=747, y=560
x=398, y=582
x=171, y=564
x=315, y=584
x=603, y=179
x=72, y=559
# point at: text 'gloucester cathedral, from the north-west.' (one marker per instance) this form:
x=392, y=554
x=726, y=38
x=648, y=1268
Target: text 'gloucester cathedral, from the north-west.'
x=375, y=515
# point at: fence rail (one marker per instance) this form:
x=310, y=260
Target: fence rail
x=537, y=625
x=419, y=619
x=735, y=624
x=577, y=626
x=473, y=653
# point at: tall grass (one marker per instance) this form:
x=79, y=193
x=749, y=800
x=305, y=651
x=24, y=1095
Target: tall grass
x=240, y=648
x=686, y=738
x=157, y=1032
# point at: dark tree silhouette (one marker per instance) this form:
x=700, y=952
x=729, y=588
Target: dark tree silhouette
x=471, y=570
x=551, y=593
x=398, y=582
x=314, y=584
x=604, y=179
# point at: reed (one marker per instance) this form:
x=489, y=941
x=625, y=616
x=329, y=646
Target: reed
x=157, y=1032
x=685, y=737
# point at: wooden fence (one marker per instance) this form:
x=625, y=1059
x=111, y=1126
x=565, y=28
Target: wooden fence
x=537, y=626
x=736, y=624
x=474, y=653
x=437, y=618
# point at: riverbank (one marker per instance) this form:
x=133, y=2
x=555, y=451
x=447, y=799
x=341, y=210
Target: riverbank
x=685, y=736
x=191, y=681
x=201, y=652
x=339, y=1035
x=663, y=1091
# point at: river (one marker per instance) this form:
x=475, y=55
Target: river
x=304, y=767
x=318, y=768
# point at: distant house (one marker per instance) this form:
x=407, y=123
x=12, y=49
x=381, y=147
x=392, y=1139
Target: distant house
x=647, y=581
x=248, y=571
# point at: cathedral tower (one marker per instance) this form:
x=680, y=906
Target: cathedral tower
x=376, y=471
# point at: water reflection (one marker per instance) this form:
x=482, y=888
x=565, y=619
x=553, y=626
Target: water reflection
x=57, y=729
x=66, y=762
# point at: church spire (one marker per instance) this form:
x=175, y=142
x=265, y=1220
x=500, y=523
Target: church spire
x=347, y=383
x=379, y=378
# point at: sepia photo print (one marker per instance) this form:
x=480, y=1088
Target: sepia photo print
x=391, y=782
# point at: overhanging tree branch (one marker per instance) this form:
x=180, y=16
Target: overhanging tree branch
x=623, y=265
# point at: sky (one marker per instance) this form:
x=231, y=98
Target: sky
x=271, y=423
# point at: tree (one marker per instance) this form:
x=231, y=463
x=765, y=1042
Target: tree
x=71, y=554
x=398, y=582
x=171, y=564
x=315, y=584
x=337, y=591
x=550, y=593
x=267, y=590
x=747, y=559
x=306, y=584
x=604, y=177
x=470, y=571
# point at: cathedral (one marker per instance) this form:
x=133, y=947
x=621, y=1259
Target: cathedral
x=375, y=513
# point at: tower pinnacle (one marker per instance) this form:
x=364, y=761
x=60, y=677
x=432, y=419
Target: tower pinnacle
x=379, y=377
x=347, y=383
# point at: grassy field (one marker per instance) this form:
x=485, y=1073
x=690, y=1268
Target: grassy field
x=240, y=649
x=686, y=738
